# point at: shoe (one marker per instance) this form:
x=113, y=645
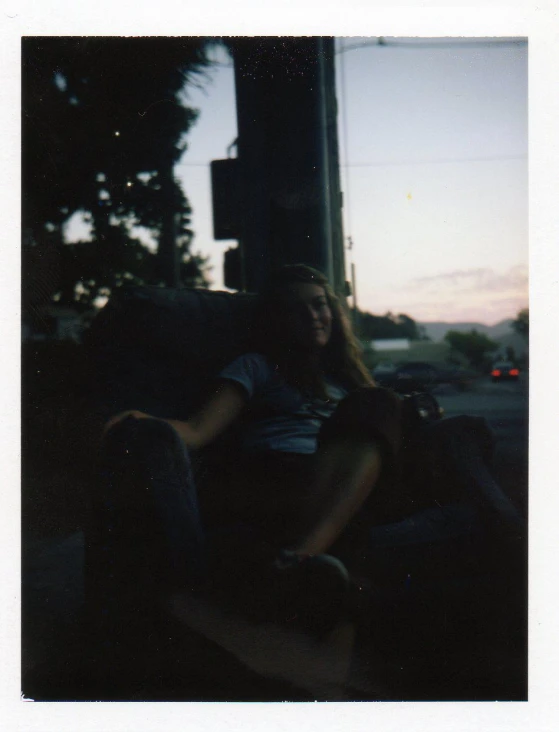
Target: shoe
x=312, y=592
x=307, y=593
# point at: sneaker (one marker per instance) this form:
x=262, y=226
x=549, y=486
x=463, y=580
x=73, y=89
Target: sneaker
x=307, y=593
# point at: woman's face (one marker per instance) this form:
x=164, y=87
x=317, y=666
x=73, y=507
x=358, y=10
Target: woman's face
x=309, y=317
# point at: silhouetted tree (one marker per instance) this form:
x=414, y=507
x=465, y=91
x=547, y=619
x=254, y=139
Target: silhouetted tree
x=522, y=323
x=473, y=345
x=103, y=124
x=372, y=327
x=510, y=354
x=408, y=327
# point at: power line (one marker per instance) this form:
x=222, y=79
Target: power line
x=432, y=43
x=389, y=163
x=193, y=165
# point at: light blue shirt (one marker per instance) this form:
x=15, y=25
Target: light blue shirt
x=284, y=419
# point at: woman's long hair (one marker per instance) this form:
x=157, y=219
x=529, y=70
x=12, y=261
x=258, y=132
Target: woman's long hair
x=341, y=357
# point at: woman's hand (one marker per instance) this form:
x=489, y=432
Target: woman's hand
x=122, y=415
x=219, y=412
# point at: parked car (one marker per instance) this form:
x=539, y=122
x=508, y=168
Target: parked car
x=383, y=369
x=504, y=371
x=408, y=377
x=458, y=376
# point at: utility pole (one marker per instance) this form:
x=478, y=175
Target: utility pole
x=354, y=298
x=289, y=181
x=167, y=253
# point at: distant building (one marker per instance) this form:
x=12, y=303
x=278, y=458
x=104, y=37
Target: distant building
x=391, y=344
x=403, y=350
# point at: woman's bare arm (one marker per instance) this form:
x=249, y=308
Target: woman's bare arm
x=219, y=412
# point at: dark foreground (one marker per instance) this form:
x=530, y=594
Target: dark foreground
x=461, y=639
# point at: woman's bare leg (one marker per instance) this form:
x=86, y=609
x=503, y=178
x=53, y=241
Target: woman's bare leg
x=347, y=471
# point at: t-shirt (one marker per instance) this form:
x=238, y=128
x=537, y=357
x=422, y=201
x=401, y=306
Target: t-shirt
x=283, y=418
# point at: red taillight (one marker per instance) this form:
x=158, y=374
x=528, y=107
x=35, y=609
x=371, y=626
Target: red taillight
x=514, y=372
x=495, y=372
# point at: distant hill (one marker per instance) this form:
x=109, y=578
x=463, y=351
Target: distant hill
x=436, y=331
x=501, y=332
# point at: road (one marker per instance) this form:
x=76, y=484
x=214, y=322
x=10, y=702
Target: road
x=505, y=406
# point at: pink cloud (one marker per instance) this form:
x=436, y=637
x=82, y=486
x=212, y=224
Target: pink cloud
x=470, y=281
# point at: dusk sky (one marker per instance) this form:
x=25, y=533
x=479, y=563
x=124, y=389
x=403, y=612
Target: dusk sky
x=434, y=169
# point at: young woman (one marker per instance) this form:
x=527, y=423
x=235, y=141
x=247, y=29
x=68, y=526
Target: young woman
x=318, y=450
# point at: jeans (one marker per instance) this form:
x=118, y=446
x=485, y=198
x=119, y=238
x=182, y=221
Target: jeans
x=148, y=519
